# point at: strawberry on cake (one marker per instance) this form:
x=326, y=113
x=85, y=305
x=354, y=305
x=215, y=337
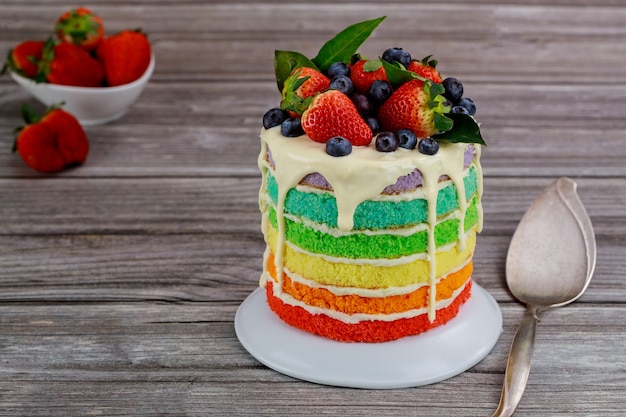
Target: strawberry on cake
x=371, y=192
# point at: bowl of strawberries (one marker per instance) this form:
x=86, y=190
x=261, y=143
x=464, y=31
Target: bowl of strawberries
x=94, y=77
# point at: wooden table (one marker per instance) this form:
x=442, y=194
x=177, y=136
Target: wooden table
x=119, y=280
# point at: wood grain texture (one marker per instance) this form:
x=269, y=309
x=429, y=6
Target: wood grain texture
x=120, y=279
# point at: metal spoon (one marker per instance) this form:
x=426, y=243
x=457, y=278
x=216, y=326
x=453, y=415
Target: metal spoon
x=549, y=264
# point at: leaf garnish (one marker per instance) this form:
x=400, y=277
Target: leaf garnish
x=285, y=62
x=398, y=75
x=465, y=130
x=345, y=44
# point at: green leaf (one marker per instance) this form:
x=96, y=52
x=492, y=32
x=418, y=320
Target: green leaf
x=372, y=65
x=345, y=44
x=442, y=123
x=29, y=114
x=465, y=130
x=398, y=75
x=285, y=62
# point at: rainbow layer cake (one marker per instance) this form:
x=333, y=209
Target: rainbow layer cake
x=371, y=193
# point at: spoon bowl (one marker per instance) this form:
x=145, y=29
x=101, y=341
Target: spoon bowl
x=549, y=264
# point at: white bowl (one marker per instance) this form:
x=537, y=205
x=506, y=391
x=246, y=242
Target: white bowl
x=90, y=105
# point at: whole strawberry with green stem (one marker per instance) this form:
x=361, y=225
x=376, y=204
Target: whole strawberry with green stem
x=331, y=114
x=81, y=27
x=364, y=72
x=426, y=68
x=302, y=84
x=416, y=105
x=24, y=58
x=68, y=64
x=52, y=142
x=125, y=55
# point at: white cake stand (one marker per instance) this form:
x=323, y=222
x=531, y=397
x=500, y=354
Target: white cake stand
x=412, y=361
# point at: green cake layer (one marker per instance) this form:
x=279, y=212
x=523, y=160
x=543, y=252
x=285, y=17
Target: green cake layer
x=373, y=246
x=321, y=207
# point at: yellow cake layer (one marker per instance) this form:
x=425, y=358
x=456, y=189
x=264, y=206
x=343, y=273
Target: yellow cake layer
x=370, y=275
x=357, y=304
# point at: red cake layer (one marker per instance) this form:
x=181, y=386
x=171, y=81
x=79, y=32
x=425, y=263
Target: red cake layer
x=365, y=331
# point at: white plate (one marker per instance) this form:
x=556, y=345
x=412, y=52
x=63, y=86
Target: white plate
x=433, y=356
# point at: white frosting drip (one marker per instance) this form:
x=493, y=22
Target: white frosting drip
x=358, y=177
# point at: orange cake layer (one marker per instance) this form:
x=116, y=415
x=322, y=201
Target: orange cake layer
x=371, y=331
x=353, y=304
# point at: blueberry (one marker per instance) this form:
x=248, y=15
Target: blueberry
x=274, y=117
x=468, y=103
x=379, y=91
x=373, y=123
x=406, y=139
x=459, y=109
x=363, y=104
x=428, y=146
x=338, y=68
x=453, y=89
x=386, y=142
x=342, y=83
x=392, y=55
x=291, y=128
x=338, y=146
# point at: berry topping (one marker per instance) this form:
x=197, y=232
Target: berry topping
x=363, y=73
x=374, y=124
x=331, y=114
x=392, y=55
x=468, y=103
x=406, y=139
x=453, y=89
x=342, y=83
x=379, y=91
x=386, y=142
x=428, y=146
x=338, y=146
x=362, y=103
x=341, y=93
x=426, y=68
x=338, y=68
x=291, y=128
x=274, y=117
x=416, y=105
x=459, y=109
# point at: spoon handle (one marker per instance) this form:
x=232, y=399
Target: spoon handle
x=518, y=365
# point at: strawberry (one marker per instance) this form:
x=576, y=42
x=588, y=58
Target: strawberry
x=331, y=114
x=53, y=142
x=81, y=27
x=68, y=64
x=426, y=68
x=418, y=106
x=24, y=58
x=125, y=55
x=304, y=82
x=364, y=72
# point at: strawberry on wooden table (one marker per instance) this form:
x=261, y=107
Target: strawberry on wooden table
x=81, y=27
x=24, y=58
x=125, y=55
x=68, y=64
x=332, y=114
x=53, y=142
